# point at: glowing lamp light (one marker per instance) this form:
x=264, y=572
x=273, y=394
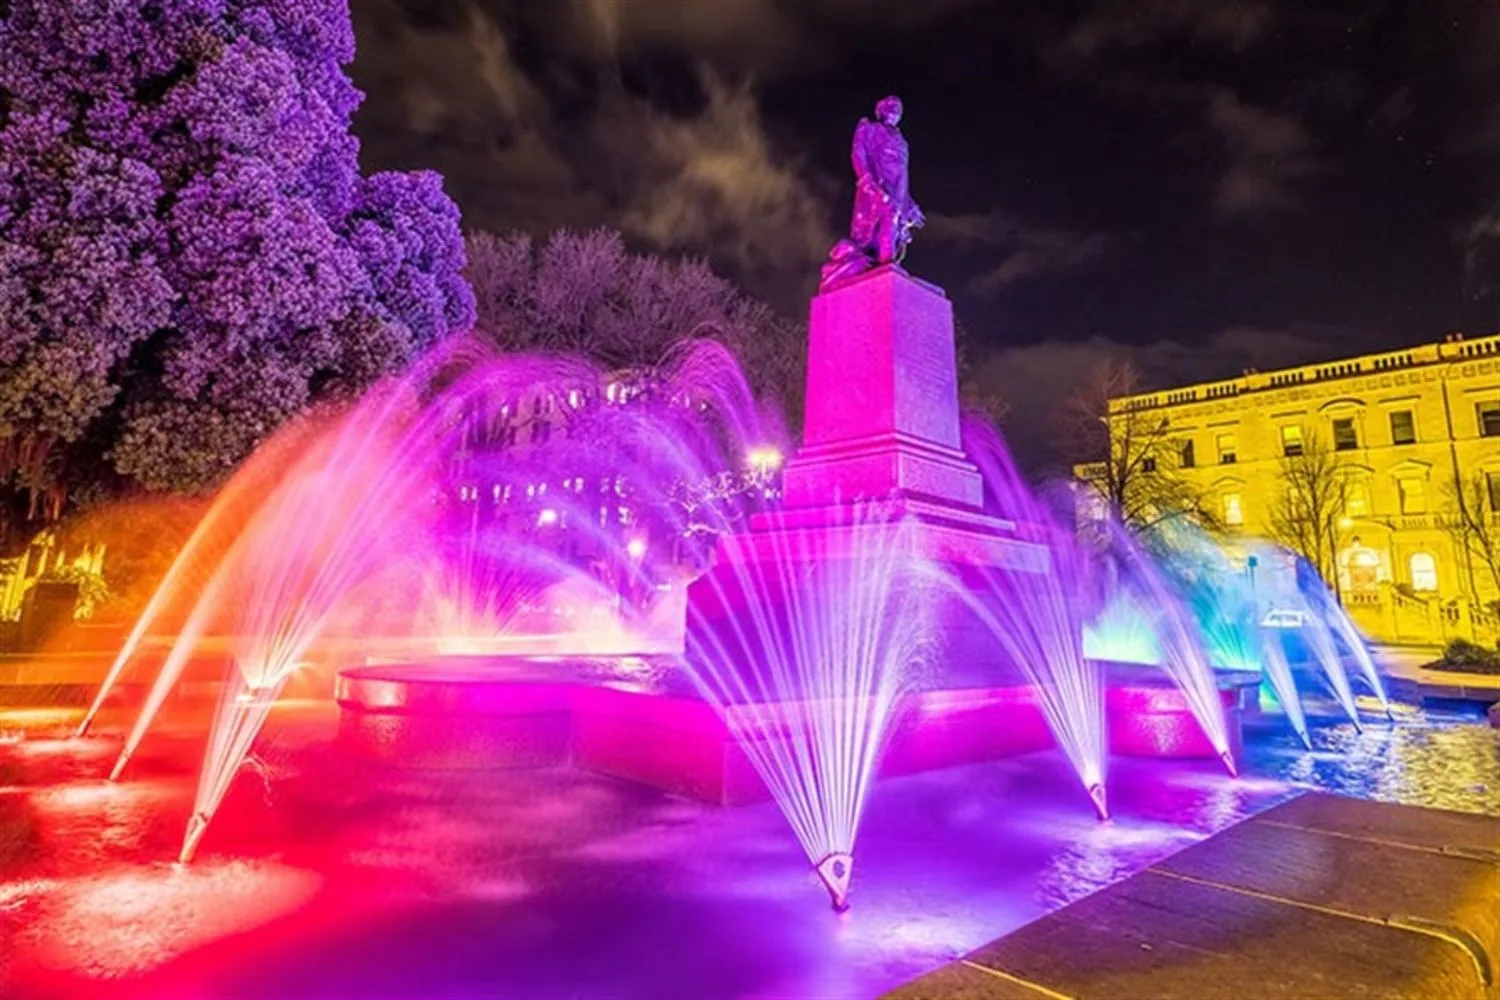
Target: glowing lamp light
x=546, y=518
x=764, y=457
x=636, y=548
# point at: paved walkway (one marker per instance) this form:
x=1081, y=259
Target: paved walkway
x=1404, y=666
x=1322, y=896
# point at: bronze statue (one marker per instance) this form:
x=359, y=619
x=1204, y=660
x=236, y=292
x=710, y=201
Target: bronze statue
x=884, y=212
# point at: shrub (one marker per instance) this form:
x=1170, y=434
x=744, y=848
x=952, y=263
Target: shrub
x=1469, y=657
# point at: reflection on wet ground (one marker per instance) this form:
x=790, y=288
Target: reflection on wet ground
x=327, y=879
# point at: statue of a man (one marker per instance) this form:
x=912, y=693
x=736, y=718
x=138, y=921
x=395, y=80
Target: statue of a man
x=884, y=212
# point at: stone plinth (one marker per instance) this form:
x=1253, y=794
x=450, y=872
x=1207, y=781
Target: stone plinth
x=882, y=398
x=881, y=425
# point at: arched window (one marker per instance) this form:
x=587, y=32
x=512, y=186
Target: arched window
x=1361, y=566
x=1423, y=572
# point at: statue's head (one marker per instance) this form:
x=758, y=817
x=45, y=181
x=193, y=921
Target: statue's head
x=889, y=110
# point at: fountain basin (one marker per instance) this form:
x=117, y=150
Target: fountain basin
x=645, y=725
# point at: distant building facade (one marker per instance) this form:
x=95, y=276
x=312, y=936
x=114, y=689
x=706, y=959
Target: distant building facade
x=1414, y=437
x=555, y=469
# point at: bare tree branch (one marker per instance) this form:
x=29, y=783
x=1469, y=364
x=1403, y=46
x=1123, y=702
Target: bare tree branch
x=1140, y=474
x=1313, y=498
x=1474, y=526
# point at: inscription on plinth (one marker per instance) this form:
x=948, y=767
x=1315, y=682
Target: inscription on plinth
x=882, y=397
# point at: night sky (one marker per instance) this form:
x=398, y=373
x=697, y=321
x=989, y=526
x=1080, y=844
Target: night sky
x=1204, y=185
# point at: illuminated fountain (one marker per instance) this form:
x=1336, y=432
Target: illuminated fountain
x=807, y=651
x=1040, y=618
x=882, y=618
x=1178, y=639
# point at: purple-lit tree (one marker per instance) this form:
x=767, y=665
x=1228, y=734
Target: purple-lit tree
x=188, y=252
x=585, y=293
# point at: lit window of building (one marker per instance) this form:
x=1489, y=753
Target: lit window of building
x=1357, y=498
x=1488, y=416
x=1234, y=509
x=1291, y=440
x=1424, y=578
x=1403, y=427
x=1412, y=491
x=1344, y=436
x=1228, y=449
x=1492, y=487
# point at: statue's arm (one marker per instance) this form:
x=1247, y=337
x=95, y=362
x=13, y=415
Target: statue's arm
x=888, y=163
x=859, y=155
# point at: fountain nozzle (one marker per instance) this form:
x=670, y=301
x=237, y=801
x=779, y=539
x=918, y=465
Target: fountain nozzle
x=834, y=872
x=1228, y=758
x=1101, y=802
x=195, y=829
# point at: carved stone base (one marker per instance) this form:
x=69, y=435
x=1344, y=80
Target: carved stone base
x=882, y=398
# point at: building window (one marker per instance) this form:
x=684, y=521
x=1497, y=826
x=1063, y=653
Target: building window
x=1403, y=428
x=1357, y=498
x=1344, y=438
x=1291, y=440
x=1364, y=567
x=1227, y=449
x=1186, y=455
x=1413, y=493
x=1488, y=414
x=1148, y=463
x=1492, y=487
x=1423, y=572
x=1234, y=510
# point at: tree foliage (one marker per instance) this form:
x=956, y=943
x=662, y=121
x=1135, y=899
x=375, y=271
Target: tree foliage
x=586, y=294
x=1129, y=457
x=188, y=252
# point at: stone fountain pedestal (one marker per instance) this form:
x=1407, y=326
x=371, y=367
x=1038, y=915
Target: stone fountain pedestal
x=882, y=427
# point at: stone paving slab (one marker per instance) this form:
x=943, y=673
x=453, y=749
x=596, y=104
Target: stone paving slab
x=1323, y=896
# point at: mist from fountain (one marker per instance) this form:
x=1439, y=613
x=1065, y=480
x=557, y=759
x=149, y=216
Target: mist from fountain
x=1279, y=673
x=369, y=523
x=1132, y=569
x=1326, y=607
x=1039, y=618
x=205, y=549
x=819, y=634
x=1122, y=633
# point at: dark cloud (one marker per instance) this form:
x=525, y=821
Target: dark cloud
x=1010, y=251
x=1267, y=152
x=1233, y=24
x=1202, y=184
x=523, y=150
x=1481, y=246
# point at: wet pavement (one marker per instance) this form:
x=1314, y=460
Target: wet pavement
x=325, y=878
